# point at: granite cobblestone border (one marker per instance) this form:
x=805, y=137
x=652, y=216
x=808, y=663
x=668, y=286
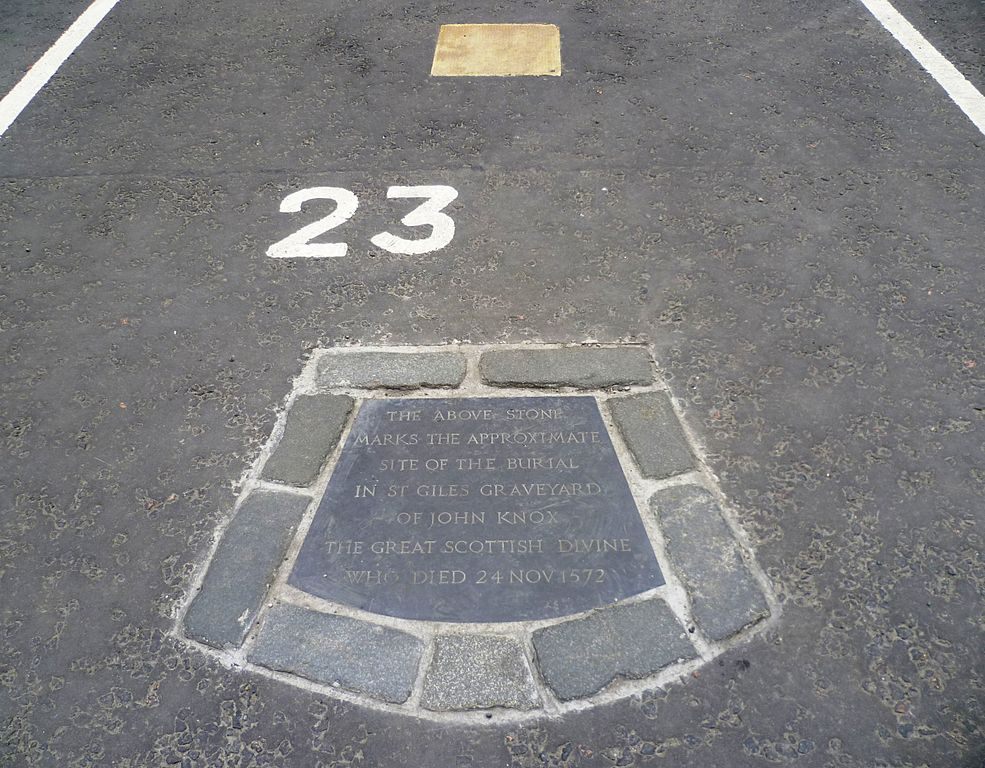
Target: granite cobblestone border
x=242, y=609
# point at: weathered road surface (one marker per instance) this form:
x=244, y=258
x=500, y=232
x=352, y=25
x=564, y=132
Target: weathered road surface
x=772, y=194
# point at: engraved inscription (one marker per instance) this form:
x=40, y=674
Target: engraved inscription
x=477, y=509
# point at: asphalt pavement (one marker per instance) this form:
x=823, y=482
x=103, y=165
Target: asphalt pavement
x=773, y=196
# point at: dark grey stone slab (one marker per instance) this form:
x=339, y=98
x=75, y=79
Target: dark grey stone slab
x=398, y=370
x=477, y=509
x=337, y=650
x=583, y=367
x=724, y=596
x=314, y=424
x=478, y=672
x=243, y=567
x=650, y=428
x=580, y=657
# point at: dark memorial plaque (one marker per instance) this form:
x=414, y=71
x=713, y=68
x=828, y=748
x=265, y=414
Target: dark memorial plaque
x=477, y=509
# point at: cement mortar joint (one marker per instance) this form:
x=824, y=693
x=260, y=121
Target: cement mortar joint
x=672, y=593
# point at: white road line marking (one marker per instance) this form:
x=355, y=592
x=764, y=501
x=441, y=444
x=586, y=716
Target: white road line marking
x=968, y=98
x=38, y=75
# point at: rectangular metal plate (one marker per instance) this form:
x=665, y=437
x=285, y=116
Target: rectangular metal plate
x=477, y=509
x=497, y=50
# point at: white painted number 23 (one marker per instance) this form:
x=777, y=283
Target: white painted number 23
x=298, y=245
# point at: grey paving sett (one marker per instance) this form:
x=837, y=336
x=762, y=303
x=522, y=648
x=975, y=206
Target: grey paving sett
x=724, y=596
x=576, y=658
x=243, y=567
x=583, y=367
x=338, y=650
x=476, y=672
x=313, y=426
x=580, y=657
x=396, y=370
x=651, y=430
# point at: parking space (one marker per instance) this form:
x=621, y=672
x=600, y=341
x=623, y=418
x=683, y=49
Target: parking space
x=774, y=197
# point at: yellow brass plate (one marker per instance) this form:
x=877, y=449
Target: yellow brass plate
x=497, y=50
